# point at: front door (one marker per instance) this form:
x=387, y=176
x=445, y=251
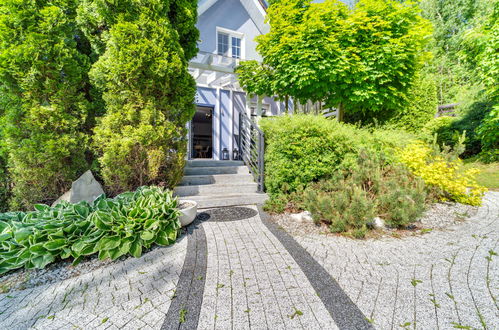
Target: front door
x=202, y=133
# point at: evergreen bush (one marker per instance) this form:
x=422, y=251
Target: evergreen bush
x=43, y=76
x=488, y=133
x=350, y=199
x=148, y=92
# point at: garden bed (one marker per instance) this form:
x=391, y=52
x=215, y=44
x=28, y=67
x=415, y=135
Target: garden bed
x=440, y=216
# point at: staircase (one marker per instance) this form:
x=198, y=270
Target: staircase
x=219, y=183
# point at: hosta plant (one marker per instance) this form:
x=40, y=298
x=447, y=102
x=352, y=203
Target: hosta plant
x=110, y=227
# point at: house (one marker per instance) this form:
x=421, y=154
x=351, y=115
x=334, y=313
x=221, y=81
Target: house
x=227, y=36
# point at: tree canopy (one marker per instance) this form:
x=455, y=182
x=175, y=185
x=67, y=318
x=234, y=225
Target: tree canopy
x=362, y=58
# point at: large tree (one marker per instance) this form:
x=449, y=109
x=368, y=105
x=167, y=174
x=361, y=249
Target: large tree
x=144, y=48
x=360, y=59
x=44, y=95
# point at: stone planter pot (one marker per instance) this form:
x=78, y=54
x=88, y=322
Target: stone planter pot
x=188, y=210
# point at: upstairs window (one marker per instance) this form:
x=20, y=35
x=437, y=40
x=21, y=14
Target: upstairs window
x=229, y=43
x=223, y=44
x=236, y=47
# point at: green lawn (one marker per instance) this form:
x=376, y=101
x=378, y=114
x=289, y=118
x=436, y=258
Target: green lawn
x=489, y=176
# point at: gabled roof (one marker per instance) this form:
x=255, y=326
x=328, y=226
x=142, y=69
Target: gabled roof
x=256, y=10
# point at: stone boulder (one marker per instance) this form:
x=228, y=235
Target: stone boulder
x=85, y=188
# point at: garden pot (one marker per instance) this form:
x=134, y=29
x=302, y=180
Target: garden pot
x=188, y=210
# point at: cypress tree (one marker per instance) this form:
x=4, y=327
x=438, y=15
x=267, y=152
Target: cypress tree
x=45, y=97
x=144, y=49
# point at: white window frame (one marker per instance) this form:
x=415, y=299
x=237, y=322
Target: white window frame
x=231, y=33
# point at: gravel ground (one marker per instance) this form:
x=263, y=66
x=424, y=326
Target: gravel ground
x=438, y=217
x=29, y=278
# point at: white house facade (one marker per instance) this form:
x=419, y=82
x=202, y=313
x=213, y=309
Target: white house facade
x=227, y=36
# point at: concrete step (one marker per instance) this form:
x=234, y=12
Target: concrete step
x=216, y=189
x=213, y=163
x=216, y=170
x=195, y=180
x=227, y=200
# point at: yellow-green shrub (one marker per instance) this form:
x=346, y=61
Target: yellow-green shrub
x=449, y=178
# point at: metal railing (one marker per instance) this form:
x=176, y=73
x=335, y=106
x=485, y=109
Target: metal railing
x=252, y=144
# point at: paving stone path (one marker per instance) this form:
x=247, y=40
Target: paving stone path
x=133, y=294
x=235, y=270
x=440, y=280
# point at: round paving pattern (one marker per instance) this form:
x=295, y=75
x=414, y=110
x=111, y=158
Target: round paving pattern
x=227, y=214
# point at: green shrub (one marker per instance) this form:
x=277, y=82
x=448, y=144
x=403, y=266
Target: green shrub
x=110, y=227
x=302, y=149
x=441, y=127
x=44, y=86
x=488, y=133
x=350, y=200
x=421, y=107
x=449, y=129
x=445, y=174
x=4, y=175
x=149, y=94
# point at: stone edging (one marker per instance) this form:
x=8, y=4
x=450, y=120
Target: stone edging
x=342, y=309
x=185, y=308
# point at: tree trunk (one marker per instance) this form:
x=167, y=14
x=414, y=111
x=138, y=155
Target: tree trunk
x=287, y=104
x=340, y=112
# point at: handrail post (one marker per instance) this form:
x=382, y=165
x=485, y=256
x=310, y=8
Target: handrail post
x=261, y=154
x=252, y=141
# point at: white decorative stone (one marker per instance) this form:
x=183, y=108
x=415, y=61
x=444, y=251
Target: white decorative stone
x=378, y=223
x=85, y=188
x=304, y=216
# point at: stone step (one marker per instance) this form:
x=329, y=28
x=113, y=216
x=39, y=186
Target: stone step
x=213, y=163
x=216, y=189
x=195, y=180
x=216, y=170
x=227, y=200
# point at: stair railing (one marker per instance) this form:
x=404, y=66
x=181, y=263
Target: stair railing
x=251, y=146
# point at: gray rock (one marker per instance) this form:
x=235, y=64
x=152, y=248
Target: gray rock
x=85, y=188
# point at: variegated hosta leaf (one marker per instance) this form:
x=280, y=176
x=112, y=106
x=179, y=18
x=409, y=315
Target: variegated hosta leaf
x=110, y=227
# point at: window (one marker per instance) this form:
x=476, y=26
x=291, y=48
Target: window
x=236, y=47
x=223, y=44
x=229, y=43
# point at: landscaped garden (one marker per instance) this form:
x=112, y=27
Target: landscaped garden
x=391, y=155
x=100, y=86
x=365, y=152
x=109, y=90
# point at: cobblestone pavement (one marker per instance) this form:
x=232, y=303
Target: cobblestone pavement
x=132, y=294
x=440, y=280
x=253, y=282
x=248, y=274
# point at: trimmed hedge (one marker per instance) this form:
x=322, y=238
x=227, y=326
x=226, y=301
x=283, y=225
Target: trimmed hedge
x=301, y=149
